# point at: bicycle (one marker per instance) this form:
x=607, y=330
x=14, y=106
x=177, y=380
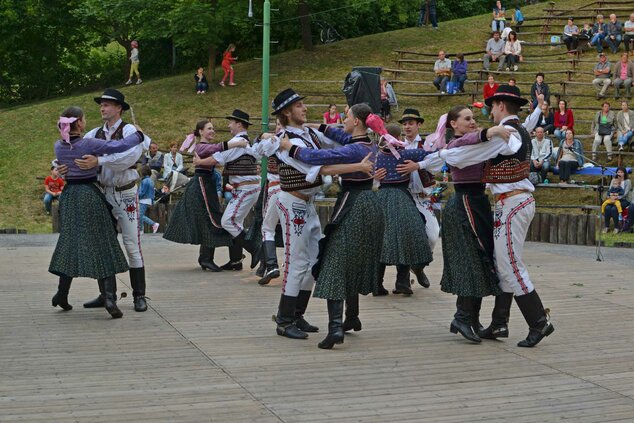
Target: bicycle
x=327, y=33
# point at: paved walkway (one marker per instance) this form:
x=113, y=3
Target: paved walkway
x=206, y=350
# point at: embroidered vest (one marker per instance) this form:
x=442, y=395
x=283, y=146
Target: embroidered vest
x=117, y=135
x=272, y=165
x=242, y=166
x=508, y=169
x=292, y=179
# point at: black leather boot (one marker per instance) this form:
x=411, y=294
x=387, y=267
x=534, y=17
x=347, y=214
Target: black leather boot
x=206, y=259
x=137, y=280
x=499, y=318
x=421, y=277
x=262, y=267
x=335, y=325
x=100, y=300
x=352, y=321
x=403, y=285
x=272, y=270
x=249, y=246
x=285, y=319
x=477, y=305
x=302, y=305
x=463, y=319
x=380, y=289
x=235, y=258
x=537, y=318
x=61, y=297
x=110, y=293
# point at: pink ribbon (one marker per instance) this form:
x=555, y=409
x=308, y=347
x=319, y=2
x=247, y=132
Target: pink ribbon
x=63, y=124
x=188, y=143
x=375, y=123
x=436, y=141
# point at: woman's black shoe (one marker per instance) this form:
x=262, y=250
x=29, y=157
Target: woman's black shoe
x=465, y=330
x=352, y=323
x=209, y=265
x=380, y=291
x=335, y=325
x=62, y=301
x=493, y=332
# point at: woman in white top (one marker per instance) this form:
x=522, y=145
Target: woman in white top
x=512, y=50
x=173, y=161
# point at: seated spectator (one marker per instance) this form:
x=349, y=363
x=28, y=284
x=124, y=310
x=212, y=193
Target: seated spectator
x=539, y=87
x=564, y=120
x=628, y=34
x=541, y=153
x=546, y=119
x=622, y=181
x=518, y=18
x=612, y=209
x=53, y=186
x=201, y=81
x=586, y=33
x=494, y=51
x=146, y=198
x=599, y=32
x=569, y=157
x=442, y=68
x=153, y=158
x=624, y=125
x=602, y=76
x=603, y=128
x=614, y=34
x=623, y=73
x=512, y=82
x=571, y=35
x=498, y=17
x=489, y=89
x=504, y=35
x=173, y=161
x=459, y=71
x=331, y=116
x=512, y=50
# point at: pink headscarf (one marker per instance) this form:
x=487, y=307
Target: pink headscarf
x=375, y=123
x=436, y=141
x=188, y=143
x=63, y=124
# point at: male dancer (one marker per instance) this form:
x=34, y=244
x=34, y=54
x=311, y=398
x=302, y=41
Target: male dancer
x=506, y=171
x=118, y=178
x=241, y=167
x=421, y=184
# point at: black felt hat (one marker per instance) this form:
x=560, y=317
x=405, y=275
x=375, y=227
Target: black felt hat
x=411, y=114
x=111, y=94
x=284, y=99
x=240, y=116
x=507, y=93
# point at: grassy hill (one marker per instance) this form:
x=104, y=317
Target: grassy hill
x=168, y=108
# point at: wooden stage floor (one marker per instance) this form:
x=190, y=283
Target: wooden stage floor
x=206, y=350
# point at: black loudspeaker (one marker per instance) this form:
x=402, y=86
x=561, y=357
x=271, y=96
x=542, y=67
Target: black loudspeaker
x=363, y=85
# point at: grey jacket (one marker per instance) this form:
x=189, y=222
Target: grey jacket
x=621, y=127
x=616, y=70
x=595, y=122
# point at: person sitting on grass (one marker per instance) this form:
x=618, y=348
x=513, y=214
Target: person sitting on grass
x=459, y=70
x=512, y=50
x=541, y=153
x=546, y=119
x=53, y=186
x=564, y=120
x=624, y=125
x=569, y=157
x=602, y=128
x=442, y=68
x=201, y=81
x=539, y=87
x=612, y=209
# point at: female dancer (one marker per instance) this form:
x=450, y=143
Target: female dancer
x=85, y=215
x=467, y=229
x=348, y=260
x=196, y=218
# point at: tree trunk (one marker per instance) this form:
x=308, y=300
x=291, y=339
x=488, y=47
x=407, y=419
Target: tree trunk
x=211, y=66
x=302, y=12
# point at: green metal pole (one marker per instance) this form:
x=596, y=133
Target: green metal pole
x=266, y=44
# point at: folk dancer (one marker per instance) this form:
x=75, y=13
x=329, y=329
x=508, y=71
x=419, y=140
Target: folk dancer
x=118, y=178
x=87, y=244
x=348, y=261
x=197, y=216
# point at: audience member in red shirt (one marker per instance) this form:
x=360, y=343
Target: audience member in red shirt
x=489, y=89
x=53, y=185
x=564, y=120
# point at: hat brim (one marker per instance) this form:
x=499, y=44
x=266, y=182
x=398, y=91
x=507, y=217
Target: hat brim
x=238, y=119
x=124, y=105
x=417, y=119
x=295, y=100
x=502, y=97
